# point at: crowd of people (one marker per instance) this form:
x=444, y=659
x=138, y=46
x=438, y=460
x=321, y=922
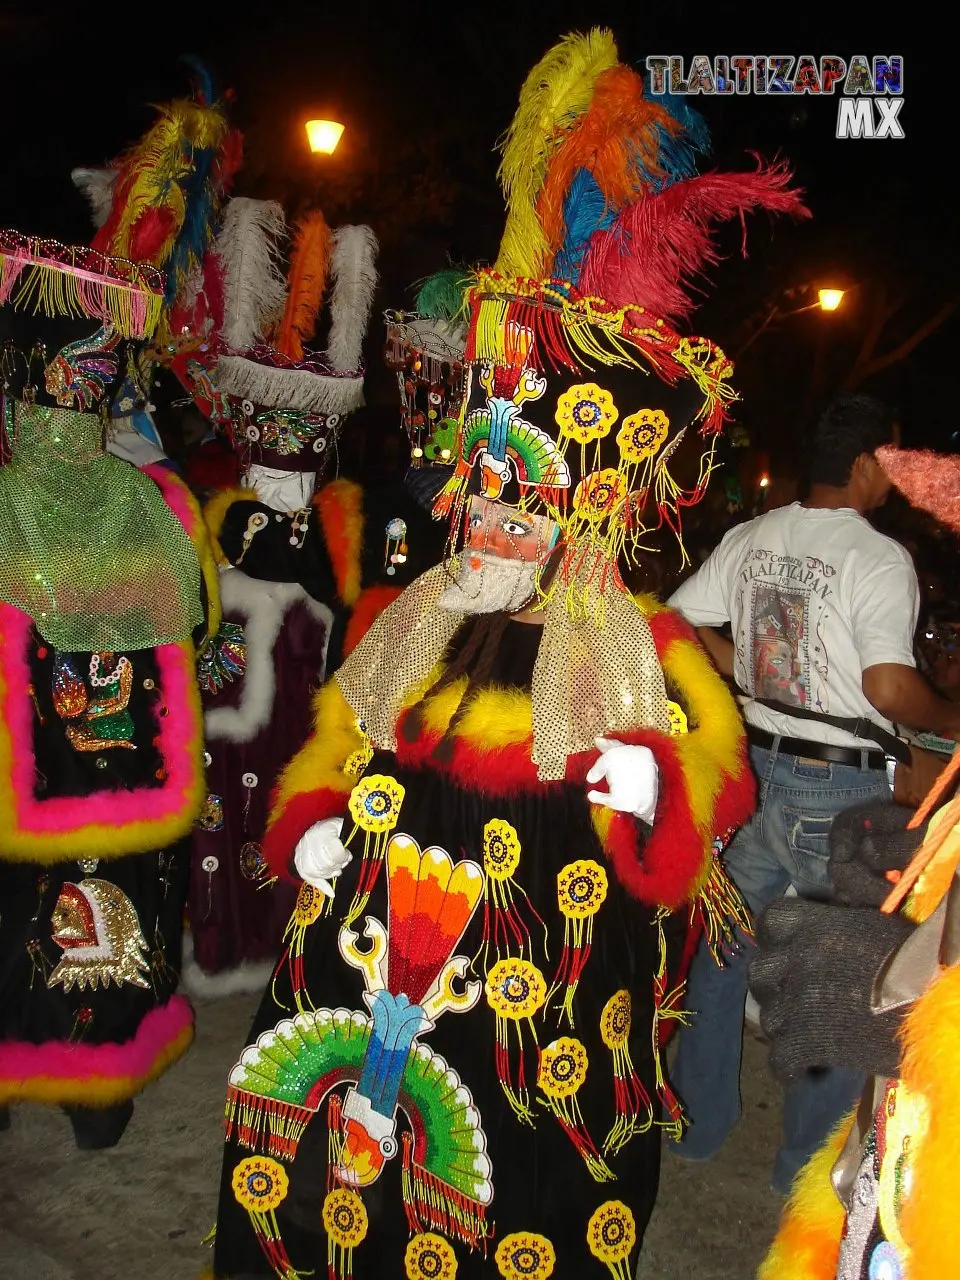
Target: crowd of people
x=427, y=755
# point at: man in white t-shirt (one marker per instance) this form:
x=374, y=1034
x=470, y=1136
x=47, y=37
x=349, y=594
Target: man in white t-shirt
x=822, y=610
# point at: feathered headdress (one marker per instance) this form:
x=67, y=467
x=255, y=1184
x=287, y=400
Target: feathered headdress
x=309, y=267
x=582, y=401
x=249, y=250
x=167, y=189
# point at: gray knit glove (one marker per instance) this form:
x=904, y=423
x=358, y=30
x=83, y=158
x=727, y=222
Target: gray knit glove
x=865, y=842
x=813, y=976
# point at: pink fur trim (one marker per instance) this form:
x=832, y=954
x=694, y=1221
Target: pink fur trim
x=175, y=494
x=62, y=1061
x=179, y=747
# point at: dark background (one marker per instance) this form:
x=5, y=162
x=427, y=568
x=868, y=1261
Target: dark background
x=425, y=91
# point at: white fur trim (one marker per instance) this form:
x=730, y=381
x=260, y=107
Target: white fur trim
x=246, y=979
x=97, y=186
x=263, y=606
x=288, y=388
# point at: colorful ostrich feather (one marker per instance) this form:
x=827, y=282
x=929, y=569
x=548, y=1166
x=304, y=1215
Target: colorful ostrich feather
x=309, y=267
x=554, y=96
x=445, y=295
x=617, y=141
x=651, y=253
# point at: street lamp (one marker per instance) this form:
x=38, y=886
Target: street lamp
x=830, y=299
x=827, y=300
x=324, y=136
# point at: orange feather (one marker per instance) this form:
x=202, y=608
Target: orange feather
x=616, y=140
x=309, y=266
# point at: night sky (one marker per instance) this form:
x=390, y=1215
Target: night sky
x=426, y=90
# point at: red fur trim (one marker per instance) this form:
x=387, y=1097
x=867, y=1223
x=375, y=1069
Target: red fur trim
x=61, y=1071
x=340, y=506
x=667, y=869
x=666, y=626
x=297, y=815
x=497, y=771
x=368, y=608
x=107, y=823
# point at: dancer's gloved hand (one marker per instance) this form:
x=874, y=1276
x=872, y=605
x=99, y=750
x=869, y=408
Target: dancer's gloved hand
x=813, y=976
x=866, y=841
x=632, y=779
x=320, y=855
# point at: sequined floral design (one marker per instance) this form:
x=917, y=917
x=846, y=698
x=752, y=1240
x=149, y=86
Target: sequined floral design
x=581, y=892
x=375, y=803
x=599, y=494
x=501, y=849
x=289, y=431
x=642, y=434
x=585, y=412
x=430, y=1257
x=344, y=1218
x=560, y=1076
x=611, y=1236
x=357, y=761
x=309, y=907
x=678, y=719
x=524, y=1255
x=634, y=1112
x=260, y=1184
x=516, y=990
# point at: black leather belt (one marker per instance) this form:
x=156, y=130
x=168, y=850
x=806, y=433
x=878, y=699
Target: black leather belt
x=815, y=750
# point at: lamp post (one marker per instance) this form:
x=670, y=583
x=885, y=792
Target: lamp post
x=324, y=136
x=827, y=300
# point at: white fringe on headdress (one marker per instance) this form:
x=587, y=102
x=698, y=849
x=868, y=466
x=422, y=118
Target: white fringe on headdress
x=354, y=272
x=254, y=285
x=97, y=186
x=288, y=388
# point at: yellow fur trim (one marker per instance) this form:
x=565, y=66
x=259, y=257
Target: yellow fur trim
x=319, y=762
x=807, y=1244
x=495, y=718
x=931, y=1067
x=215, y=512
x=93, y=1091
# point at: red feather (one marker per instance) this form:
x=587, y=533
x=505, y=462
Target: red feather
x=930, y=481
x=229, y=160
x=654, y=249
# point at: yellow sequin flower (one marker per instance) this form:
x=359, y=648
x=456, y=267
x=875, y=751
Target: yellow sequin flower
x=581, y=889
x=615, y=1020
x=586, y=412
x=375, y=803
x=344, y=1218
x=357, y=761
x=430, y=1257
x=523, y=1255
x=310, y=904
x=501, y=849
x=563, y=1068
x=678, y=719
x=599, y=494
x=612, y=1232
x=260, y=1184
x=642, y=434
x=515, y=988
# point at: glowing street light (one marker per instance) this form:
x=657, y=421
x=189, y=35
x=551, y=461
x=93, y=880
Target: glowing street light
x=830, y=299
x=764, y=482
x=324, y=136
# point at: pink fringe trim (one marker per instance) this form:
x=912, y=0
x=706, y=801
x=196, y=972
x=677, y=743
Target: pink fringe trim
x=32, y=1071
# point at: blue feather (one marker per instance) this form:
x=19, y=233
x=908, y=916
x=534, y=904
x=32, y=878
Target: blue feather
x=203, y=88
x=191, y=244
x=584, y=212
x=678, y=155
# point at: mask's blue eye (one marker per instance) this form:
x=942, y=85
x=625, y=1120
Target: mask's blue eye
x=476, y=520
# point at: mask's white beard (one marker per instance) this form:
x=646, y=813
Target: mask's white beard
x=496, y=586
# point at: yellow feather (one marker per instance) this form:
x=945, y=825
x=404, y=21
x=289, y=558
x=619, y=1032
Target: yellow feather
x=554, y=96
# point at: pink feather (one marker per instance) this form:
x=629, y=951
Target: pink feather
x=651, y=254
x=930, y=481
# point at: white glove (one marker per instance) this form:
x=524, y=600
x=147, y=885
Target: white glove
x=320, y=855
x=632, y=778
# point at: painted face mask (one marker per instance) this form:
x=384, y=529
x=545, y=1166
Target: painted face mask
x=503, y=555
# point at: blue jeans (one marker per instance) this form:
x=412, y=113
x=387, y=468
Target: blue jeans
x=784, y=843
